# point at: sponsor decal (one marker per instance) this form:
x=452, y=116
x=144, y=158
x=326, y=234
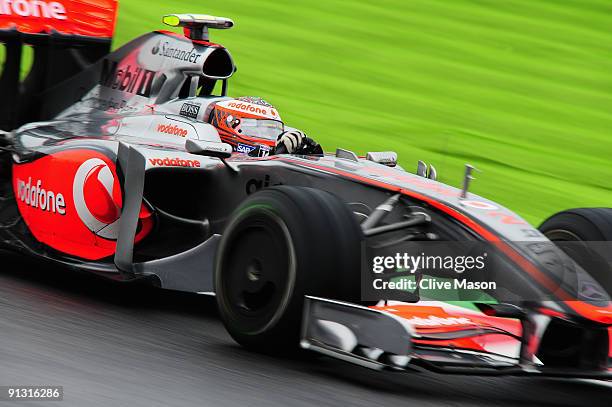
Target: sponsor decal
x=592, y=291
x=168, y=50
x=248, y=107
x=254, y=185
x=432, y=320
x=33, y=8
x=174, y=162
x=127, y=79
x=190, y=110
x=172, y=129
x=90, y=18
x=264, y=150
x=97, y=198
x=479, y=205
x=82, y=185
x=244, y=148
x=105, y=104
x=245, y=105
x=218, y=147
x=388, y=174
x=255, y=100
x=507, y=218
x=35, y=195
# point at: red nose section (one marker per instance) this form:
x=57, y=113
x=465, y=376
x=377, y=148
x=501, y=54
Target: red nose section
x=99, y=197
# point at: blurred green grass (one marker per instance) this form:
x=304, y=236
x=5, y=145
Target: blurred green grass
x=521, y=89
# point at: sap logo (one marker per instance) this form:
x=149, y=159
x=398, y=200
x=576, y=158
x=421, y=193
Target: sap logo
x=244, y=148
x=33, y=8
x=254, y=185
x=172, y=129
x=126, y=79
x=190, y=110
x=36, y=196
x=174, y=162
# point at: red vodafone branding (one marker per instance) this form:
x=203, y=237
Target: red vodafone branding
x=172, y=129
x=97, y=198
x=73, y=17
x=174, y=162
x=71, y=201
x=247, y=107
x=34, y=195
x=33, y=8
x=251, y=108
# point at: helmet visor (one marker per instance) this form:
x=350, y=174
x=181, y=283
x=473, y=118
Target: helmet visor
x=261, y=128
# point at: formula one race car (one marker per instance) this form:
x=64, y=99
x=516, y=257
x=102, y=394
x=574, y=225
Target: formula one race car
x=110, y=165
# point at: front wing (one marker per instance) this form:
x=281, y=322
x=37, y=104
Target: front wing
x=380, y=340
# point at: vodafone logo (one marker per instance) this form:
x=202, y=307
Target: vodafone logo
x=247, y=107
x=35, y=195
x=263, y=110
x=97, y=198
x=33, y=8
x=174, y=162
x=172, y=129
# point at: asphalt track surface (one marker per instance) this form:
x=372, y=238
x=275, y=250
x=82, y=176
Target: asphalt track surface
x=115, y=345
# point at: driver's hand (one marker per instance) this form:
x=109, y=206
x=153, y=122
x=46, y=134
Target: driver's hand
x=296, y=142
x=292, y=140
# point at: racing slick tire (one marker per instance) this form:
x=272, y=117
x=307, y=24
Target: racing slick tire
x=281, y=244
x=586, y=225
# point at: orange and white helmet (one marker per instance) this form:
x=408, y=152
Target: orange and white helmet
x=247, y=123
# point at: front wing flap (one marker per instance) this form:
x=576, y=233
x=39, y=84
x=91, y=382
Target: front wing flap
x=356, y=334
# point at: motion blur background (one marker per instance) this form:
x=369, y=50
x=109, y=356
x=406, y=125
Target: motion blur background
x=520, y=88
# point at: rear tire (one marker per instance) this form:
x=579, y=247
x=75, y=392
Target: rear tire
x=283, y=243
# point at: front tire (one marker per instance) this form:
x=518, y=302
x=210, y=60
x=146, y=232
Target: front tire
x=583, y=225
x=281, y=244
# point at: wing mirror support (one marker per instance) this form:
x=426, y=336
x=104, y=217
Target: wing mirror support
x=211, y=149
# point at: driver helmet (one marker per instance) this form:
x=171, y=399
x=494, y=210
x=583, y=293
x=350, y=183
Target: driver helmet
x=249, y=124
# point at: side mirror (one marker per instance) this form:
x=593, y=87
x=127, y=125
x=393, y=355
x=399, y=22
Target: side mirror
x=388, y=158
x=208, y=148
x=206, y=132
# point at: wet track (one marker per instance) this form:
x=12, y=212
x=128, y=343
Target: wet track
x=117, y=345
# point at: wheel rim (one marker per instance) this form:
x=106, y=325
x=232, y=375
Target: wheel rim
x=562, y=235
x=257, y=271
